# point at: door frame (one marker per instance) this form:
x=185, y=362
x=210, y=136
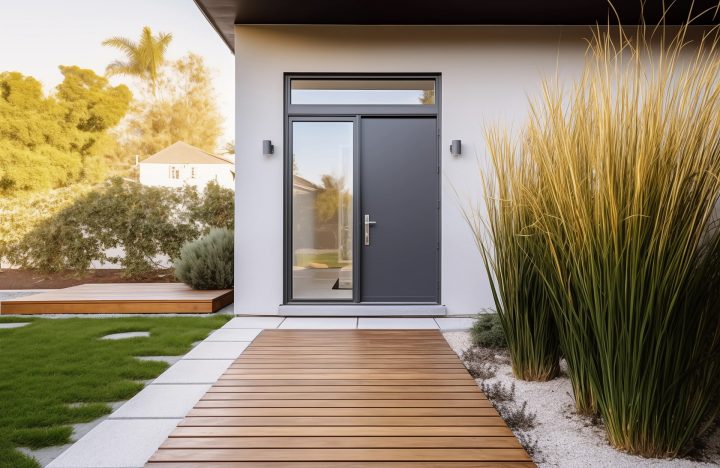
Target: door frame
x=350, y=113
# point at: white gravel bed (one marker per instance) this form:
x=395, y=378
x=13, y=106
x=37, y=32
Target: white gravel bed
x=565, y=439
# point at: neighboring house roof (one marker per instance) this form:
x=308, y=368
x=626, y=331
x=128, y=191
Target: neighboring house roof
x=303, y=184
x=223, y=15
x=182, y=153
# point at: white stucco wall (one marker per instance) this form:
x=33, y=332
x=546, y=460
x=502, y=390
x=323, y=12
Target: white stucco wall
x=158, y=175
x=487, y=75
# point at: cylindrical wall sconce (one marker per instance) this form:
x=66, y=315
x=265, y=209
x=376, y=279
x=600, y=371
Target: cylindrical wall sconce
x=456, y=147
x=268, y=147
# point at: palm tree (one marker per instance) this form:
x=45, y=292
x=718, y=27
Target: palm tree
x=144, y=58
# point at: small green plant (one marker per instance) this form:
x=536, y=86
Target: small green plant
x=518, y=417
x=207, y=263
x=497, y=392
x=504, y=399
x=530, y=444
x=487, y=331
x=480, y=362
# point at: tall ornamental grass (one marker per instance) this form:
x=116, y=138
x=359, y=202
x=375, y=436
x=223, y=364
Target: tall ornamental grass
x=627, y=167
x=503, y=234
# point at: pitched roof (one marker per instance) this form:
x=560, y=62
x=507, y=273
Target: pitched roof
x=182, y=153
x=303, y=184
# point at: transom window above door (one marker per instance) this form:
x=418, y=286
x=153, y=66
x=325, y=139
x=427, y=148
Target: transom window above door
x=362, y=91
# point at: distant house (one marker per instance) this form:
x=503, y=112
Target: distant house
x=181, y=164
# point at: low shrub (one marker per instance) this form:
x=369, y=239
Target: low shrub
x=481, y=363
x=530, y=444
x=22, y=213
x=120, y=222
x=214, y=208
x=498, y=392
x=514, y=413
x=487, y=331
x=518, y=417
x=207, y=263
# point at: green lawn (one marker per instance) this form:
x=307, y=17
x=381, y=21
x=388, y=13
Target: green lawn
x=54, y=373
x=328, y=258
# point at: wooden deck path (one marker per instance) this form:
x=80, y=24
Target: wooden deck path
x=344, y=398
x=120, y=298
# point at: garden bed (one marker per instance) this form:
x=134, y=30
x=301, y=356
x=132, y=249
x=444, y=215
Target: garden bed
x=560, y=437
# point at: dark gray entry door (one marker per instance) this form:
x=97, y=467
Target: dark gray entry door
x=399, y=181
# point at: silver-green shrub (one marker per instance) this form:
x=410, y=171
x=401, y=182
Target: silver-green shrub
x=207, y=263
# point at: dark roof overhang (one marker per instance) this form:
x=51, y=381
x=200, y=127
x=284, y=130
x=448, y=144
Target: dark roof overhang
x=224, y=14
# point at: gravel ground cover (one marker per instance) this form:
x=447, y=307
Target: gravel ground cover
x=564, y=439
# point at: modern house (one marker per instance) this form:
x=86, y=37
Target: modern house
x=379, y=109
x=181, y=164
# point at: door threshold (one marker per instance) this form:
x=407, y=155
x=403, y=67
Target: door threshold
x=362, y=310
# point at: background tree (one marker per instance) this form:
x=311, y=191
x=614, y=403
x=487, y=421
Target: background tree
x=53, y=141
x=330, y=198
x=188, y=111
x=144, y=57
x=228, y=148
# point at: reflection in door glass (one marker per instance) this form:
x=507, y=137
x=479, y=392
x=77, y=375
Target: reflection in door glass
x=322, y=218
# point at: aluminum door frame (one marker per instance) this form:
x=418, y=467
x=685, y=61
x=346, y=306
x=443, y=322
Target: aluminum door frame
x=341, y=112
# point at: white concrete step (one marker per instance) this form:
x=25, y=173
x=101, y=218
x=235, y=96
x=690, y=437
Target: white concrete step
x=362, y=310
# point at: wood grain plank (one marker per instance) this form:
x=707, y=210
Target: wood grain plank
x=341, y=442
x=340, y=403
x=341, y=464
x=344, y=388
x=229, y=395
x=230, y=381
x=342, y=399
x=344, y=421
x=313, y=411
x=451, y=366
x=344, y=431
x=342, y=375
x=330, y=454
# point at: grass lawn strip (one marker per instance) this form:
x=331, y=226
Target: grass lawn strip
x=56, y=373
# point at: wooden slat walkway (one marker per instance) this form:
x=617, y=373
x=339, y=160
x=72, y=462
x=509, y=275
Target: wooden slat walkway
x=120, y=298
x=344, y=398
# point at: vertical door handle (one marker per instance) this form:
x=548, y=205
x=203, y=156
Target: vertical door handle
x=368, y=223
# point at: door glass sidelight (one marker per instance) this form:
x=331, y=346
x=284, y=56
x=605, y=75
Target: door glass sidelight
x=322, y=210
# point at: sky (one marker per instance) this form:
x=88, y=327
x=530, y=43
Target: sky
x=38, y=35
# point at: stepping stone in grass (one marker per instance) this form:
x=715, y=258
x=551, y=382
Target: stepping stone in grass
x=126, y=335
x=14, y=324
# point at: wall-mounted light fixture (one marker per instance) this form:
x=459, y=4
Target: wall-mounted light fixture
x=268, y=147
x=456, y=147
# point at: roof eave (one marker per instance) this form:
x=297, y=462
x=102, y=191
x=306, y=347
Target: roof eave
x=215, y=26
